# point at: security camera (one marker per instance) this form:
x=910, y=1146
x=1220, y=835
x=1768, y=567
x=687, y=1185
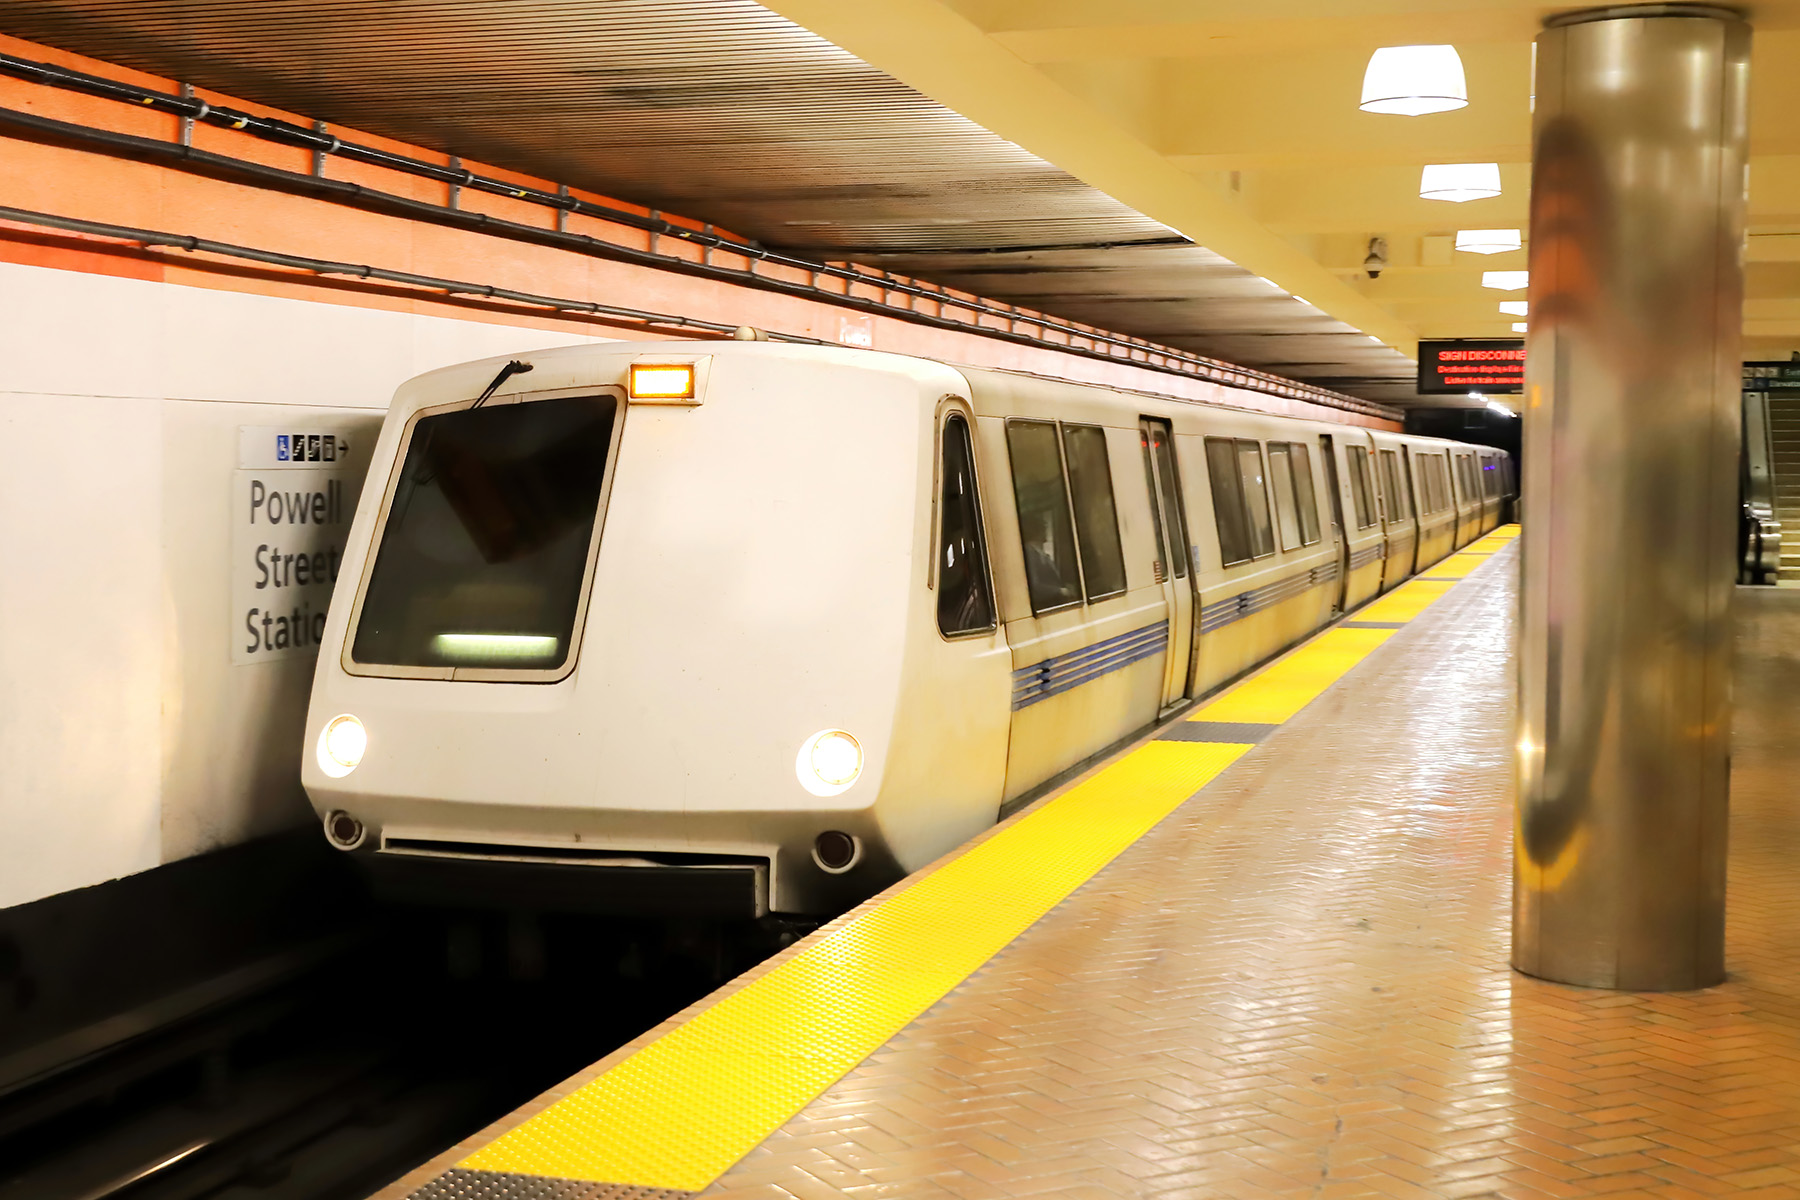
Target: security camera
x=1377, y=257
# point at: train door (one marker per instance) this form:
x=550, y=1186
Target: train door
x=1468, y=504
x=1458, y=499
x=1398, y=523
x=1412, y=498
x=1172, y=567
x=1340, y=534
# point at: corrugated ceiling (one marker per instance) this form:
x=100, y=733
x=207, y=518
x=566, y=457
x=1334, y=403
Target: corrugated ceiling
x=722, y=111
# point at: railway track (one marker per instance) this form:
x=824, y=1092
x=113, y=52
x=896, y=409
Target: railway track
x=326, y=1071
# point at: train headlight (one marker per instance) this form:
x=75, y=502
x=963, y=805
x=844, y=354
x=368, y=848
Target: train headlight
x=341, y=745
x=829, y=762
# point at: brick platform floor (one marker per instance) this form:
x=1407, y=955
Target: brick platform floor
x=1297, y=986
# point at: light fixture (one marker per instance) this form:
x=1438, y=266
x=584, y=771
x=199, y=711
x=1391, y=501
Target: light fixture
x=1457, y=182
x=1518, y=327
x=662, y=381
x=342, y=744
x=1411, y=81
x=1506, y=281
x=1513, y=308
x=829, y=762
x=1501, y=408
x=1489, y=241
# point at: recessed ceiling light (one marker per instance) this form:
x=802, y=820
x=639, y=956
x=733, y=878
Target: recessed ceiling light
x=1506, y=281
x=1518, y=327
x=1414, y=80
x=1457, y=182
x=1489, y=241
x=1513, y=308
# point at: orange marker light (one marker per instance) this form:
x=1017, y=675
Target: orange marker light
x=657, y=381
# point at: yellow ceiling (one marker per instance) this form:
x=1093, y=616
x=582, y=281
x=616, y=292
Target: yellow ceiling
x=1235, y=122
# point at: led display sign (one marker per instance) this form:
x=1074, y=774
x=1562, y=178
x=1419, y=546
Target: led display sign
x=1492, y=366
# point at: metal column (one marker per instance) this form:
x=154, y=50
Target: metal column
x=1631, y=443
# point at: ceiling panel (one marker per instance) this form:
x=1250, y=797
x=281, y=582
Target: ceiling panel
x=723, y=111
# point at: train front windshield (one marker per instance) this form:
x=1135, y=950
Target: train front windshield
x=485, y=551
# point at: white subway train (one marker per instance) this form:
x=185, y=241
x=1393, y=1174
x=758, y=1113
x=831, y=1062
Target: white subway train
x=737, y=628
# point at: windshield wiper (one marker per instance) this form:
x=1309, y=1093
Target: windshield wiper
x=423, y=472
x=515, y=367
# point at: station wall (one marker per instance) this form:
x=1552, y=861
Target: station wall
x=130, y=733
x=144, y=385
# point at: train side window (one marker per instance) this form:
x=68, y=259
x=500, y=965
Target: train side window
x=1228, y=501
x=1359, y=486
x=1427, y=485
x=1367, y=475
x=1171, y=488
x=1440, y=471
x=1490, y=478
x=1256, y=498
x=1398, y=509
x=1046, y=529
x=1156, y=525
x=965, y=600
x=1096, y=516
x=1281, y=474
x=1304, y=495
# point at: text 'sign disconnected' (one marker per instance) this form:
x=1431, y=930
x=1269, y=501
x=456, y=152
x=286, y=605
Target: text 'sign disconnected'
x=293, y=496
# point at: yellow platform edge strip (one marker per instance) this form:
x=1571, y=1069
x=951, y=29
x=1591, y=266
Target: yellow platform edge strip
x=680, y=1111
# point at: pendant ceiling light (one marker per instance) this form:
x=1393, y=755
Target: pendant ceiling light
x=1489, y=241
x=1414, y=80
x=1457, y=182
x=1506, y=281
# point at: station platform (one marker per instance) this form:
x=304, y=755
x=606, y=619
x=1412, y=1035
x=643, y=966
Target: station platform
x=1261, y=953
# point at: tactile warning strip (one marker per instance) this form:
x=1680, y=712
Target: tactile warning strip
x=680, y=1109
x=460, y=1184
x=1242, y=733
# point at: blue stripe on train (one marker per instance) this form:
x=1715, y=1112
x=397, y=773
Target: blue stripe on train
x=1063, y=672
x=1235, y=608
